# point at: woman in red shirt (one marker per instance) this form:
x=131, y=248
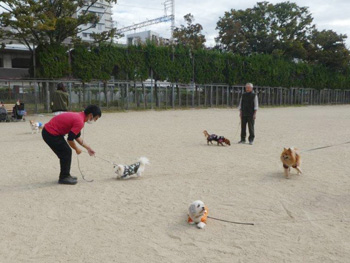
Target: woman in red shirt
x=70, y=123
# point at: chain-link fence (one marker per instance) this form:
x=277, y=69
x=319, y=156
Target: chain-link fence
x=124, y=95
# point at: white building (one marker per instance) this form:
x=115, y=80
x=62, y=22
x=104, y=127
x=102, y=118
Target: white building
x=142, y=37
x=104, y=11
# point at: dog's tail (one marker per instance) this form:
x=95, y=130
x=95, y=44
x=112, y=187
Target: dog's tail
x=144, y=160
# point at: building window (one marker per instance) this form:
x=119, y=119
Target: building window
x=21, y=63
x=85, y=35
x=1, y=63
x=99, y=26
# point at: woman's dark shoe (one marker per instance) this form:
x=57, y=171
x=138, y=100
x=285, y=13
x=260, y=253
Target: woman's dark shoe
x=67, y=180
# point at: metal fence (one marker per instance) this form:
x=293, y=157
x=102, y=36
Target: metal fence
x=125, y=95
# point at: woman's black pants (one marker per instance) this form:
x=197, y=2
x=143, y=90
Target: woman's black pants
x=61, y=148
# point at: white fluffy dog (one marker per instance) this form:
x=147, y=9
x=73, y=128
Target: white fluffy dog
x=197, y=214
x=36, y=126
x=126, y=171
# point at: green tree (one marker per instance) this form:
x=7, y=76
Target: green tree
x=44, y=22
x=190, y=34
x=266, y=28
x=328, y=48
x=52, y=61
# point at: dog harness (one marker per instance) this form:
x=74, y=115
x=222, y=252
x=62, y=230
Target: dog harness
x=131, y=169
x=214, y=137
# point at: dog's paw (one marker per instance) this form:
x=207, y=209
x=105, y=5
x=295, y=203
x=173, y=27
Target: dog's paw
x=201, y=225
x=192, y=223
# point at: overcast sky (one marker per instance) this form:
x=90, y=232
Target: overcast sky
x=330, y=14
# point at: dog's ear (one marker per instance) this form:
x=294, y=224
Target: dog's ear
x=192, y=208
x=284, y=149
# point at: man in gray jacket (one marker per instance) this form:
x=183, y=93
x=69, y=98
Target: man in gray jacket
x=248, y=106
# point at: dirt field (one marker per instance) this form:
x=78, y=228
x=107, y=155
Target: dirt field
x=303, y=219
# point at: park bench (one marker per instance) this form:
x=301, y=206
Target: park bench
x=13, y=116
x=9, y=108
x=7, y=114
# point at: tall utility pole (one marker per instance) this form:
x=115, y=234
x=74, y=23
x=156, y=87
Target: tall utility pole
x=169, y=5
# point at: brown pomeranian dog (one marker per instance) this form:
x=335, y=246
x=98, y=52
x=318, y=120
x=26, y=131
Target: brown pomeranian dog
x=290, y=158
x=213, y=137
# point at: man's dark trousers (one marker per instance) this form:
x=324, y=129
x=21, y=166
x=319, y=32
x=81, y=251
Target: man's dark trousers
x=250, y=120
x=61, y=148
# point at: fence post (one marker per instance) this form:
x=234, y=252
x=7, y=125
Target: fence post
x=227, y=96
x=211, y=95
x=233, y=96
x=166, y=97
x=179, y=95
x=127, y=95
x=198, y=93
x=144, y=95
x=302, y=96
x=159, y=95
x=48, y=97
x=222, y=95
x=172, y=96
x=152, y=89
x=36, y=96
x=186, y=97
x=192, y=90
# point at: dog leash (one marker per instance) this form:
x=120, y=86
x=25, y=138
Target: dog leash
x=323, y=147
x=82, y=175
x=105, y=160
x=237, y=130
x=232, y=222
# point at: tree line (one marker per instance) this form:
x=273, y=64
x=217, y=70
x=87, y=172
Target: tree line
x=272, y=45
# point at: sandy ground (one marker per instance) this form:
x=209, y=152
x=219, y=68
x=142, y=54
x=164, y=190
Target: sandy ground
x=303, y=219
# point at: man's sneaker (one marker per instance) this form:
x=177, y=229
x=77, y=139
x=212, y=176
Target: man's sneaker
x=250, y=143
x=67, y=180
x=241, y=141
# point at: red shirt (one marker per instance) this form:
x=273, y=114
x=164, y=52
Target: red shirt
x=64, y=123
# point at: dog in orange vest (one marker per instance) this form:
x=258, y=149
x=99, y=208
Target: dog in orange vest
x=197, y=214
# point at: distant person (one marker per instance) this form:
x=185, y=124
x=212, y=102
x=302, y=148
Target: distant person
x=70, y=123
x=248, y=106
x=60, y=100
